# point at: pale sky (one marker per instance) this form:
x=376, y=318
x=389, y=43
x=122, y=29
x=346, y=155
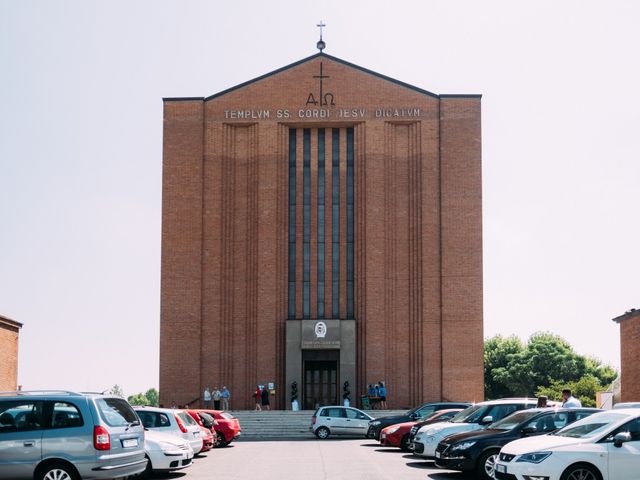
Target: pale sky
x=81, y=87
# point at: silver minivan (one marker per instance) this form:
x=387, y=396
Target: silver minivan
x=60, y=435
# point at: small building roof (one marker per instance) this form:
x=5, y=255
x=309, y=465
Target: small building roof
x=634, y=312
x=11, y=323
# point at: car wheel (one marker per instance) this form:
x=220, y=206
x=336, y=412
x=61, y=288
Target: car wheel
x=404, y=443
x=486, y=468
x=222, y=442
x=148, y=470
x=322, y=433
x=580, y=472
x=56, y=471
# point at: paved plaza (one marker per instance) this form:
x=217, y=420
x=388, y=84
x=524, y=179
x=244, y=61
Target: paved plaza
x=311, y=460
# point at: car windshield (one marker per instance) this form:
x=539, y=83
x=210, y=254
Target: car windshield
x=514, y=420
x=471, y=411
x=590, y=426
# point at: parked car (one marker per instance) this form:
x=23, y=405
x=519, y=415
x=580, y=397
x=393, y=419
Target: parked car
x=603, y=446
x=166, y=452
x=339, y=420
x=478, y=450
x=423, y=411
x=398, y=435
x=176, y=422
x=227, y=426
x=627, y=405
x=67, y=435
x=206, y=423
x=475, y=417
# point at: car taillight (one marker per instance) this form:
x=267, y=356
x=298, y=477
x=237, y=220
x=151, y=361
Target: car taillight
x=181, y=425
x=101, y=438
x=313, y=420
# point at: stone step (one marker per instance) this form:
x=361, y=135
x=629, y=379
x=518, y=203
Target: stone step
x=285, y=423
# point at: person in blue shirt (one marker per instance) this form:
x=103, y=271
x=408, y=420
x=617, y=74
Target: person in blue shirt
x=382, y=393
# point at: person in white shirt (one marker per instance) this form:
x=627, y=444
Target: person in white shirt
x=569, y=401
x=207, y=398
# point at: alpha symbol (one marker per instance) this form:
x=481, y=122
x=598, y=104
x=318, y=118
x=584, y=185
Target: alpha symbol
x=324, y=98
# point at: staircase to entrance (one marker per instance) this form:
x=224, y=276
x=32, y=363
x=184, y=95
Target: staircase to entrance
x=284, y=424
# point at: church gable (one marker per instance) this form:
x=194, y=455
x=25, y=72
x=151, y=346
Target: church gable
x=321, y=87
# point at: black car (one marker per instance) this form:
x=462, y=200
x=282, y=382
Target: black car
x=478, y=450
x=423, y=411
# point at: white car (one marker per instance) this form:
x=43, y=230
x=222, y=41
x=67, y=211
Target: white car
x=166, y=452
x=603, y=446
x=338, y=420
x=475, y=417
x=176, y=422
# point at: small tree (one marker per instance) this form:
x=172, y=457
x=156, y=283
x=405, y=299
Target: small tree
x=117, y=391
x=138, y=399
x=153, y=397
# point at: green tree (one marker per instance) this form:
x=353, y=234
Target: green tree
x=138, y=399
x=153, y=396
x=584, y=389
x=498, y=360
x=546, y=361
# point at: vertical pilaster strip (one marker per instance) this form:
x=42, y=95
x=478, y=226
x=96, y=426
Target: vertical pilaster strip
x=313, y=241
x=282, y=260
x=328, y=278
x=227, y=186
x=360, y=266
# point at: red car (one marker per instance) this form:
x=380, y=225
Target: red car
x=398, y=435
x=227, y=426
x=207, y=425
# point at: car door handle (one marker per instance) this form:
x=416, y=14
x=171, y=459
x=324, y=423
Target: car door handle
x=29, y=443
x=348, y=419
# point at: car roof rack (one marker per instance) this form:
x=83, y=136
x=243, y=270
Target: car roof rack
x=40, y=392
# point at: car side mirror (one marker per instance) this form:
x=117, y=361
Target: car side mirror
x=486, y=420
x=620, y=438
x=530, y=430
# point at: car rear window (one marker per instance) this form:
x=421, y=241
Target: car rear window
x=186, y=418
x=116, y=412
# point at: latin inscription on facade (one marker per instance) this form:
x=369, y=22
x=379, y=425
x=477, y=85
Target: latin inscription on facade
x=323, y=113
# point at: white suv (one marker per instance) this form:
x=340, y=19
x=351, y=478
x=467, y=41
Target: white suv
x=172, y=421
x=475, y=417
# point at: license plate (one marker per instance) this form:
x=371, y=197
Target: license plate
x=438, y=454
x=501, y=468
x=130, y=442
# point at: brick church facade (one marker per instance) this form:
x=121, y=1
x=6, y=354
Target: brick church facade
x=322, y=224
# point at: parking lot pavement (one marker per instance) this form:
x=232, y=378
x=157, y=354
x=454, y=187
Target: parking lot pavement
x=312, y=460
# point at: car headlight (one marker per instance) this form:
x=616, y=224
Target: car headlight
x=392, y=430
x=375, y=423
x=535, y=457
x=462, y=446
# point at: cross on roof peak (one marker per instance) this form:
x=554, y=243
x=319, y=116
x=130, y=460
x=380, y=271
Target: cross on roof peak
x=321, y=43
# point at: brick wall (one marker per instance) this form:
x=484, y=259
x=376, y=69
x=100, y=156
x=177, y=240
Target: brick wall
x=9, y=332
x=629, y=356
x=418, y=235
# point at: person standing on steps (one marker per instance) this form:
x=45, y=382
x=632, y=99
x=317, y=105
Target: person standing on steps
x=207, y=398
x=257, y=395
x=382, y=393
x=217, y=396
x=265, y=398
x=226, y=395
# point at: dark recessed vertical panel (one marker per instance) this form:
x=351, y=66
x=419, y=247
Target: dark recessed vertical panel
x=292, y=224
x=335, y=224
x=306, y=218
x=321, y=214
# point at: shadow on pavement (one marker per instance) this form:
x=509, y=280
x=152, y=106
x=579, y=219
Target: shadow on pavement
x=421, y=465
x=388, y=450
x=450, y=476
